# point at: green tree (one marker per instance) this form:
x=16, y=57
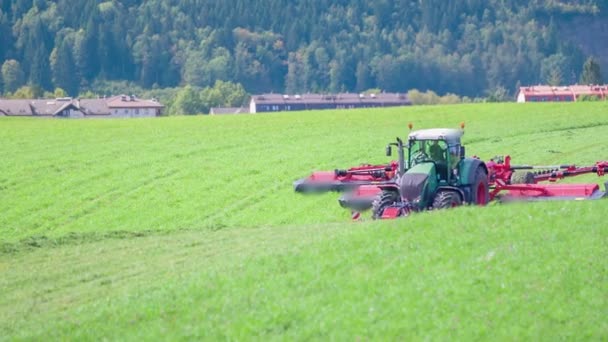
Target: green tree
x=426, y=98
x=223, y=94
x=6, y=36
x=58, y=92
x=194, y=72
x=294, y=80
x=591, y=72
x=498, y=94
x=553, y=68
x=13, y=75
x=34, y=37
x=63, y=69
x=187, y=102
x=363, y=77
x=555, y=78
x=86, y=51
x=28, y=92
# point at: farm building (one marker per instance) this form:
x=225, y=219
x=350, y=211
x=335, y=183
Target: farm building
x=545, y=93
x=113, y=107
x=278, y=102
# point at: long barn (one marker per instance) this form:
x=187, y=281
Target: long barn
x=545, y=93
x=278, y=102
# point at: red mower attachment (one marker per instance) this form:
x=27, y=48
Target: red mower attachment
x=506, y=185
x=545, y=192
x=360, y=198
x=343, y=180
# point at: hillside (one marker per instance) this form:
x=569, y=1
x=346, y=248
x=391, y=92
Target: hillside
x=463, y=47
x=188, y=228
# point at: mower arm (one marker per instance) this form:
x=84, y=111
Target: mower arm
x=342, y=180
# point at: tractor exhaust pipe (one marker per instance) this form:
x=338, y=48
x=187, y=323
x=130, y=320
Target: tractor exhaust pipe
x=401, y=167
x=401, y=157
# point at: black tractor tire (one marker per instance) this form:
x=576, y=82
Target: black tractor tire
x=480, y=192
x=522, y=177
x=446, y=199
x=383, y=200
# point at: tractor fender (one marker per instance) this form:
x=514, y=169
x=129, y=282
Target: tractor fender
x=467, y=170
x=389, y=187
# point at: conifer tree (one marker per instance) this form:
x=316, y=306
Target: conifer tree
x=591, y=72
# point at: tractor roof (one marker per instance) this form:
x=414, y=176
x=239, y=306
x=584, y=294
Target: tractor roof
x=449, y=134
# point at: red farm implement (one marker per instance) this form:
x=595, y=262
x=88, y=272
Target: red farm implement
x=341, y=180
x=432, y=172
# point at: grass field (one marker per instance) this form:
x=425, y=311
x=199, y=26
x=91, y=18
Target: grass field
x=188, y=227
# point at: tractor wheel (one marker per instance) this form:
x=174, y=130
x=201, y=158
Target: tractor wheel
x=480, y=193
x=383, y=200
x=526, y=177
x=446, y=200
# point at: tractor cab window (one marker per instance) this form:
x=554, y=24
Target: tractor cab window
x=454, y=151
x=438, y=151
x=418, y=151
x=428, y=150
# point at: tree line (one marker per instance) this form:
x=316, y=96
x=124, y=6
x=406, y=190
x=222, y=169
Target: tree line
x=468, y=47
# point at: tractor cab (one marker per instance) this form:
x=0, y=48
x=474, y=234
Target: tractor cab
x=440, y=146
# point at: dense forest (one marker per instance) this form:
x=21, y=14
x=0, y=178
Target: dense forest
x=466, y=47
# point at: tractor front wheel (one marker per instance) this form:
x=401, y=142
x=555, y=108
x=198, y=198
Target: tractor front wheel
x=480, y=193
x=446, y=200
x=384, y=199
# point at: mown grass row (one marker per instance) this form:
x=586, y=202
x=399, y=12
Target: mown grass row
x=93, y=176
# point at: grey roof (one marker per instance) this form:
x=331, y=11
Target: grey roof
x=93, y=106
x=16, y=107
x=50, y=107
x=341, y=98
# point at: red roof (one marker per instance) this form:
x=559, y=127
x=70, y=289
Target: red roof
x=572, y=90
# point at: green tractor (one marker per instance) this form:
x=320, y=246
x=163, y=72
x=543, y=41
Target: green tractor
x=436, y=175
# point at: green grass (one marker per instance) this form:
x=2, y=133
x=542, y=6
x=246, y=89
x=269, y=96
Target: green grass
x=188, y=227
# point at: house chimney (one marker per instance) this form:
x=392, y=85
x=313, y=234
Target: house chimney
x=123, y=97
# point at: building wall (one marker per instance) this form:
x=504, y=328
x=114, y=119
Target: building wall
x=274, y=107
x=73, y=113
x=134, y=112
x=521, y=97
